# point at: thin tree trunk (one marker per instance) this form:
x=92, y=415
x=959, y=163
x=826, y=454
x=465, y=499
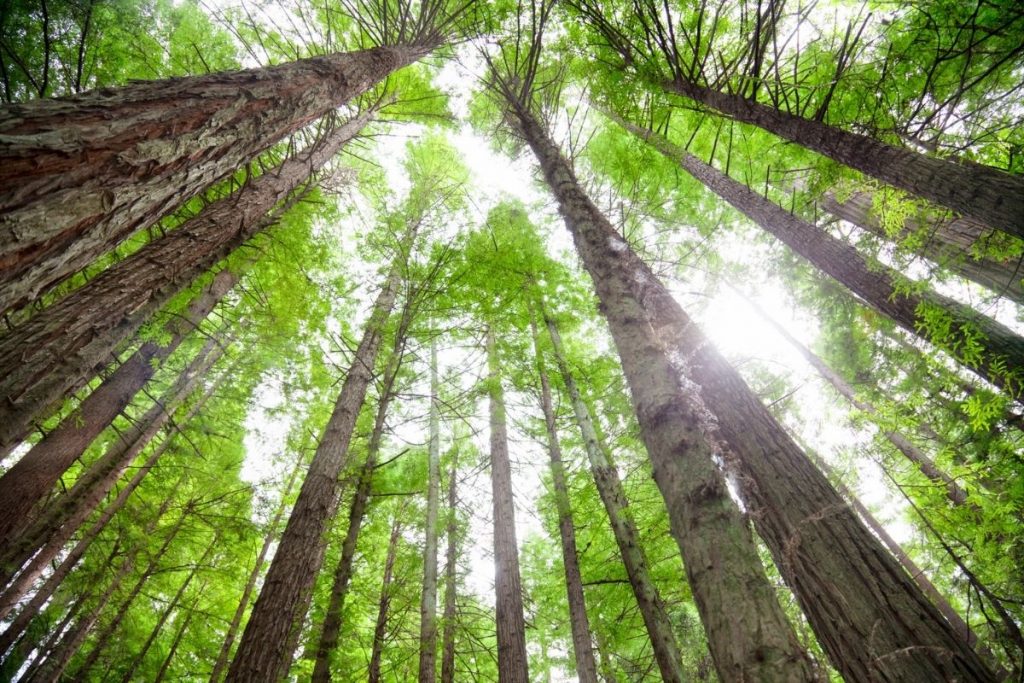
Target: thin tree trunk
x=983, y=193
x=995, y=350
x=82, y=173
x=55, y=351
x=168, y=610
x=32, y=478
x=261, y=656
x=607, y=668
x=56, y=524
x=331, y=629
x=508, y=591
x=450, y=576
x=381, y=626
x=871, y=619
x=178, y=637
x=428, y=596
x=586, y=664
x=949, y=244
x=74, y=434
x=627, y=538
x=243, y=604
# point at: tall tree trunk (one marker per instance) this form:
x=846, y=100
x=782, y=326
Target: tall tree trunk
x=381, y=626
x=162, y=672
x=586, y=664
x=55, y=351
x=140, y=656
x=73, y=435
x=428, y=596
x=82, y=173
x=983, y=193
x=919, y=458
x=450, y=576
x=331, y=629
x=985, y=346
x=261, y=656
x=508, y=591
x=627, y=537
x=27, y=484
x=871, y=619
x=56, y=523
x=243, y=604
x=949, y=244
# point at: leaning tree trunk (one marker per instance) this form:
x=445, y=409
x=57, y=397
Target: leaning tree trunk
x=985, y=346
x=508, y=591
x=983, y=193
x=82, y=173
x=428, y=596
x=166, y=665
x=330, y=631
x=868, y=615
x=261, y=654
x=56, y=351
x=27, y=483
x=583, y=650
x=450, y=575
x=748, y=634
x=243, y=604
x=41, y=561
x=383, y=605
x=949, y=243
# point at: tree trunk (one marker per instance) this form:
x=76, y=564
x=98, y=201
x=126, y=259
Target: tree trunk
x=58, y=349
x=381, y=626
x=983, y=193
x=82, y=173
x=261, y=656
x=627, y=537
x=428, y=596
x=243, y=604
x=871, y=619
x=450, y=575
x=30, y=480
x=586, y=665
x=178, y=637
x=949, y=244
x=331, y=629
x=56, y=524
x=508, y=591
x=985, y=346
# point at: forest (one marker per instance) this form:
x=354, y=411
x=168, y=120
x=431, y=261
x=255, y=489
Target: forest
x=512, y=340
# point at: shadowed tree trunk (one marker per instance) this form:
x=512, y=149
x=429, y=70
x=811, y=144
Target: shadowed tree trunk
x=162, y=672
x=871, y=619
x=428, y=596
x=57, y=350
x=995, y=350
x=82, y=173
x=450, y=574
x=508, y=591
x=586, y=665
x=380, y=629
x=261, y=655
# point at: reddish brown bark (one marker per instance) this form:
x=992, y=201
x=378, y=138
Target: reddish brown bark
x=82, y=173
x=58, y=349
x=384, y=603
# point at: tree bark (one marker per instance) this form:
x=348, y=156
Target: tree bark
x=980, y=343
x=871, y=619
x=82, y=173
x=331, y=629
x=982, y=193
x=243, y=604
x=508, y=591
x=428, y=596
x=59, y=521
x=381, y=626
x=949, y=244
x=261, y=656
x=28, y=482
x=57, y=350
x=586, y=664
x=450, y=576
